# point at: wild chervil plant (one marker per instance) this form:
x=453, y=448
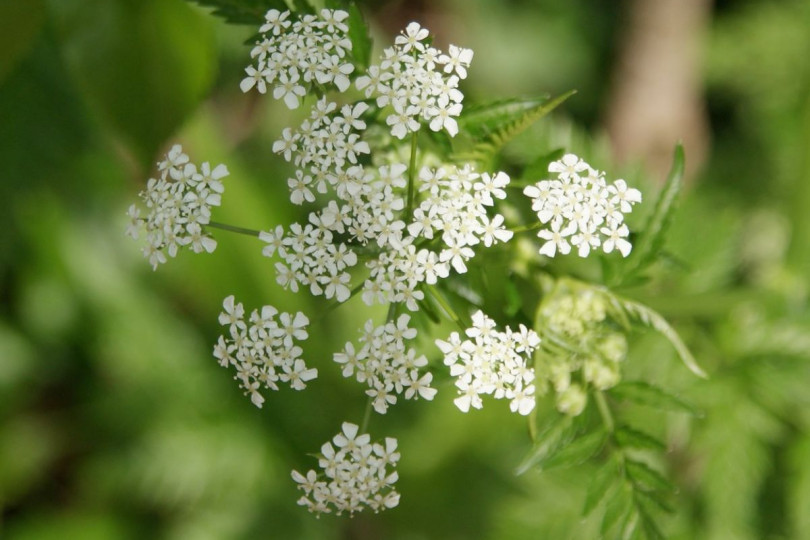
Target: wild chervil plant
x=397, y=211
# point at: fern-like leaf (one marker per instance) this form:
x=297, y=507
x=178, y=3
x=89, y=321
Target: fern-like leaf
x=651, y=241
x=493, y=125
x=651, y=318
x=249, y=12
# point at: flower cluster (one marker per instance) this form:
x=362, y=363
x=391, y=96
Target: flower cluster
x=263, y=352
x=325, y=149
x=179, y=204
x=492, y=362
x=355, y=475
x=311, y=259
x=294, y=55
x=580, y=207
x=454, y=209
x=386, y=365
x=576, y=320
x=419, y=82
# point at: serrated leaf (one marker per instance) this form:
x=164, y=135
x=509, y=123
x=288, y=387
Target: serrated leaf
x=651, y=239
x=250, y=12
x=645, y=477
x=493, y=125
x=649, y=317
x=599, y=486
x=558, y=434
x=617, y=507
x=577, y=451
x=652, y=500
x=628, y=437
x=652, y=396
x=644, y=504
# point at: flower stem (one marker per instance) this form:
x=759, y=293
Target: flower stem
x=528, y=227
x=335, y=304
x=604, y=411
x=442, y=301
x=366, y=415
x=232, y=228
x=411, y=177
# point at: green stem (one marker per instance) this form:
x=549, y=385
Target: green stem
x=525, y=228
x=442, y=301
x=334, y=305
x=366, y=416
x=411, y=177
x=604, y=411
x=232, y=228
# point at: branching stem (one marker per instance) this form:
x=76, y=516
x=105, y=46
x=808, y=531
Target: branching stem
x=233, y=228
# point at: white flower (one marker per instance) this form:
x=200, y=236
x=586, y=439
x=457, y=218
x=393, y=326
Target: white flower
x=263, y=351
x=354, y=476
x=582, y=209
x=179, y=204
x=295, y=54
x=412, y=37
x=386, y=365
x=492, y=362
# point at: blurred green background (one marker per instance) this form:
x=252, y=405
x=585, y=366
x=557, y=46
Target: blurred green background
x=115, y=420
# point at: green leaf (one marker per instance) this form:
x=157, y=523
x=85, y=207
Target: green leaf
x=599, y=486
x=645, y=477
x=652, y=500
x=652, y=396
x=651, y=240
x=493, y=125
x=249, y=12
x=628, y=437
x=359, y=36
x=577, y=452
x=143, y=67
x=649, y=317
x=556, y=435
x=617, y=507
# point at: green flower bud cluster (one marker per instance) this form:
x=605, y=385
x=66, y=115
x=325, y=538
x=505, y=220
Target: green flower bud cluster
x=581, y=348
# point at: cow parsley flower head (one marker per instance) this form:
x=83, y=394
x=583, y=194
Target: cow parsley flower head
x=355, y=474
x=384, y=363
x=295, y=55
x=492, y=362
x=179, y=204
x=263, y=349
x=418, y=82
x=581, y=210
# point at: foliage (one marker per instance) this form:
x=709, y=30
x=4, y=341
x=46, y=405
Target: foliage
x=116, y=422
